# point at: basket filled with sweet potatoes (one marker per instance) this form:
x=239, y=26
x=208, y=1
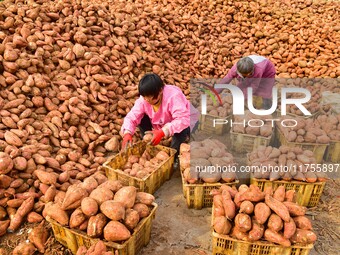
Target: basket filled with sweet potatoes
x=143, y=166
x=90, y=211
x=255, y=222
x=205, y=166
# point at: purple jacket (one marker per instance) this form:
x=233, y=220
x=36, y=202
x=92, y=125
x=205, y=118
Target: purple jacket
x=262, y=80
x=173, y=115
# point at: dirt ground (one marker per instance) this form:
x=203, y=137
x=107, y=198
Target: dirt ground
x=179, y=230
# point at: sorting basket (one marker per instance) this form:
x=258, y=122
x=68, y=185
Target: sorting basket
x=247, y=143
x=307, y=194
x=318, y=149
x=207, y=124
x=333, y=152
x=73, y=239
x=198, y=195
x=151, y=182
x=225, y=245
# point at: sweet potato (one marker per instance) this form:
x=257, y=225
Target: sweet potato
x=89, y=206
x=275, y=222
x=279, y=193
x=275, y=237
x=145, y=198
x=278, y=207
x=45, y=177
x=96, y=225
x=3, y=226
x=228, y=205
x=261, y=212
x=247, y=207
x=113, y=185
x=34, y=217
x=113, y=210
x=131, y=218
x=81, y=250
x=56, y=213
x=77, y=218
x=302, y=222
x=303, y=236
x=142, y=209
x=311, y=177
x=218, y=205
x=289, y=228
x=24, y=248
x=89, y=183
x=22, y=211
x=232, y=190
x=253, y=194
x=97, y=249
x=238, y=234
x=290, y=196
x=73, y=198
x=101, y=194
x=116, y=231
x=38, y=236
x=295, y=209
x=256, y=231
x=222, y=225
x=243, y=222
x=126, y=195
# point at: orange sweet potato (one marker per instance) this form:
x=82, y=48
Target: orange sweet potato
x=228, y=205
x=126, y=195
x=295, y=209
x=256, y=231
x=145, y=198
x=56, y=213
x=275, y=237
x=289, y=228
x=302, y=222
x=278, y=207
x=113, y=210
x=290, y=196
x=101, y=195
x=303, y=236
x=261, y=212
x=24, y=249
x=96, y=225
x=275, y=222
x=238, y=234
x=243, y=222
x=116, y=231
x=222, y=225
x=73, y=197
x=77, y=218
x=253, y=194
x=280, y=193
x=38, y=236
x=131, y=218
x=142, y=209
x=89, y=206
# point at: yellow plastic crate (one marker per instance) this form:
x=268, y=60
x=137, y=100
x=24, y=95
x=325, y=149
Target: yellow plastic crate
x=73, y=239
x=307, y=194
x=225, y=245
x=207, y=124
x=333, y=152
x=198, y=195
x=151, y=182
x=247, y=143
x=318, y=149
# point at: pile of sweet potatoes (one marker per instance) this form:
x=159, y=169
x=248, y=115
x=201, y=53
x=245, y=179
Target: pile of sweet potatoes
x=98, y=248
x=142, y=166
x=248, y=214
x=330, y=124
x=102, y=208
x=252, y=124
x=206, y=161
x=286, y=163
x=305, y=131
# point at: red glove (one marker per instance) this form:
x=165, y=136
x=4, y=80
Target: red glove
x=127, y=141
x=157, y=136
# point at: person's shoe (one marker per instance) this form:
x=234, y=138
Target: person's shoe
x=176, y=164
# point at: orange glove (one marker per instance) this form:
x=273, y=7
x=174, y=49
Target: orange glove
x=127, y=141
x=157, y=136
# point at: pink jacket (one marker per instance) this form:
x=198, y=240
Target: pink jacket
x=173, y=115
x=262, y=81
x=194, y=116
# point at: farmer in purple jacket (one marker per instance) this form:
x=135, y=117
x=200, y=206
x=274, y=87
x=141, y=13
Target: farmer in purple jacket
x=162, y=110
x=256, y=72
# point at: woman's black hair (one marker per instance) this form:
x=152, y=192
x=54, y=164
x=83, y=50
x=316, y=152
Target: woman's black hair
x=150, y=85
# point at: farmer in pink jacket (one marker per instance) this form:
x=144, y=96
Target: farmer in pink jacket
x=256, y=72
x=161, y=109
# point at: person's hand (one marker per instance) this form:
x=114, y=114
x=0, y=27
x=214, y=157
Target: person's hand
x=127, y=141
x=157, y=136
